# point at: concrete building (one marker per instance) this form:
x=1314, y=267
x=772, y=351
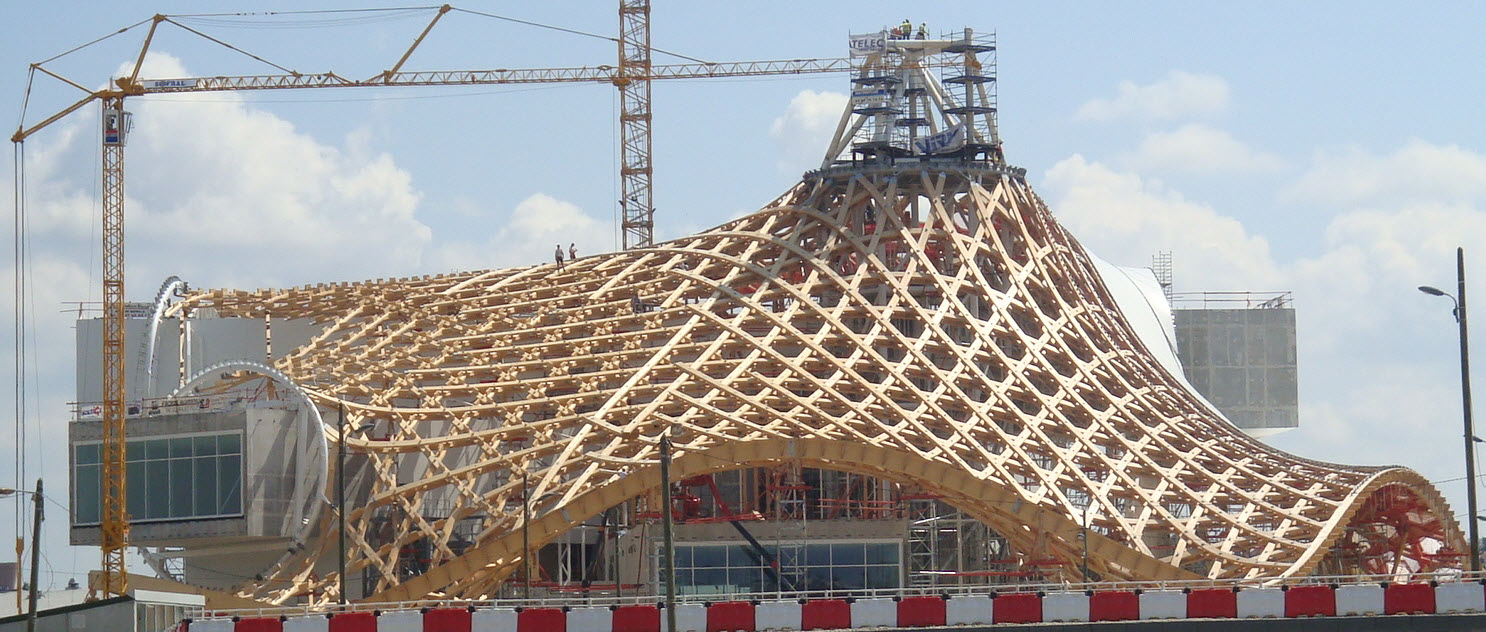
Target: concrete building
x=1238, y=350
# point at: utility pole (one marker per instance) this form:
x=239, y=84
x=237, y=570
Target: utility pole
x=1085, y=568
x=525, y=538
x=340, y=496
x=1465, y=400
x=668, y=554
x=35, y=555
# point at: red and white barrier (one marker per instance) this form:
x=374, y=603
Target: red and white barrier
x=354, y=622
x=1261, y=603
x=1202, y=601
x=1361, y=599
x=310, y=623
x=777, y=615
x=1163, y=604
x=637, y=618
x=969, y=610
x=1408, y=599
x=1212, y=603
x=874, y=613
x=826, y=614
x=919, y=612
x=494, y=620
x=1018, y=608
x=1460, y=597
x=590, y=619
x=213, y=625
x=259, y=624
x=1310, y=601
x=1114, y=605
x=690, y=617
x=1069, y=606
x=400, y=621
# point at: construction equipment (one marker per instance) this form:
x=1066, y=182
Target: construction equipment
x=632, y=77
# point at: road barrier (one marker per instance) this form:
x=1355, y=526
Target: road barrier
x=1047, y=604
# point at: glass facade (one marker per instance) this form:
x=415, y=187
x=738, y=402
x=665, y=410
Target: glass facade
x=818, y=565
x=169, y=478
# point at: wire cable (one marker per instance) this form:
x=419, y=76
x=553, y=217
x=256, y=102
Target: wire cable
x=576, y=32
x=82, y=46
x=252, y=19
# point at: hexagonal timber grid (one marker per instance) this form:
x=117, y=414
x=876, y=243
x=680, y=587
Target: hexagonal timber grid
x=931, y=327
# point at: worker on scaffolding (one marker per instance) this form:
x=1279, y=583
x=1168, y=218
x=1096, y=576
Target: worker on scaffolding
x=923, y=30
x=906, y=30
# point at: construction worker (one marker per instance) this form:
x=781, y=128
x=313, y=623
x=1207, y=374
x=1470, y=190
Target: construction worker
x=923, y=30
x=906, y=29
x=572, y=252
x=558, y=256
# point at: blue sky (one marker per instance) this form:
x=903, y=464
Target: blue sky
x=1334, y=152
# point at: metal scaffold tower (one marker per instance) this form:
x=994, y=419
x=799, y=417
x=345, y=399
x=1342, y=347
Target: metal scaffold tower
x=786, y=504
x=633, y=80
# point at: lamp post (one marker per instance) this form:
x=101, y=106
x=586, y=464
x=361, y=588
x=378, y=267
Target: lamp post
x=35, y=549
x=525, y=538
x=1465, y=399
x=1085, y=569
x=668, y=554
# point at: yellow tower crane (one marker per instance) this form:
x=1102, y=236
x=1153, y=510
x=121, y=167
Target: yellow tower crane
x=632, y=77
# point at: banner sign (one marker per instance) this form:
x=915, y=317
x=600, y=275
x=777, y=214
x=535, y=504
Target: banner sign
x=864, y=97
x=164, y=84
x=868, y=44
x=944, y=142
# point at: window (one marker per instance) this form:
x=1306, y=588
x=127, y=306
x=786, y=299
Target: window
x=832, y=565
x=169, y=478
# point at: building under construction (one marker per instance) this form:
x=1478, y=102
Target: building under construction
x=900, y=372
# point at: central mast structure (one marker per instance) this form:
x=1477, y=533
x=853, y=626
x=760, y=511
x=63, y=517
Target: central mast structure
x=900, y=110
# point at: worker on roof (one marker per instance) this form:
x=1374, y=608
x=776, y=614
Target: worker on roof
x=923, y=30
x=906, y=29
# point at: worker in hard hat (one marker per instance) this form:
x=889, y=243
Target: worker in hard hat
x=923, y=30
x=906, y=29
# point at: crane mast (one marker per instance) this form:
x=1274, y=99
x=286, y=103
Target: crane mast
x=115, y=525
x=638, y=224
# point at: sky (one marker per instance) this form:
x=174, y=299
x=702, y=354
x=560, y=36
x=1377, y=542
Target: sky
x=1336, y=153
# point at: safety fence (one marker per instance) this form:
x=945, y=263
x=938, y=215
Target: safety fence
x=1099, y=604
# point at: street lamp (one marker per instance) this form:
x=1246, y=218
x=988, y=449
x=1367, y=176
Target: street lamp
x=1465, y=398
x=340, y=492
x=35, y=547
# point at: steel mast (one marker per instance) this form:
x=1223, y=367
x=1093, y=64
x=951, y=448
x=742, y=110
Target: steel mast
x=637, y=227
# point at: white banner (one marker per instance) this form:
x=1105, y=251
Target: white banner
x=944, y=142
x=868, y=97
x=868, y=44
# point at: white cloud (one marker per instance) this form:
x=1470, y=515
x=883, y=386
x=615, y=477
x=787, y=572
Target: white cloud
x=804, y=129
x=1126, y=219
x=1179, y=95
x=1418, y=170
x=527, y=236
x=1195, y=148
x=226, y=195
